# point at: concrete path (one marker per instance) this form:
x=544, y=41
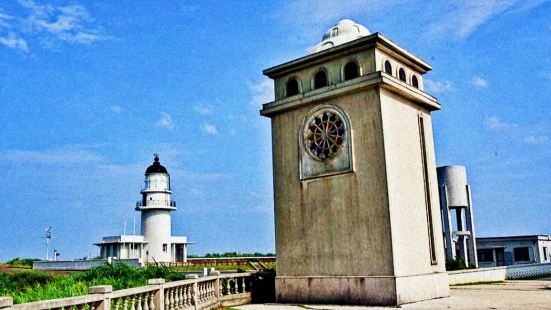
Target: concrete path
x=525, y=294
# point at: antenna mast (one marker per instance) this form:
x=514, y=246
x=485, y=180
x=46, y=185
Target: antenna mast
x=48, y=237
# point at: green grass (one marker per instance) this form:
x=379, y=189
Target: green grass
x=478, y=283
x=29, y=286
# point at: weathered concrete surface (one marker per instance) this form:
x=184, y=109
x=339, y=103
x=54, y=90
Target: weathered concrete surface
x=518, y=294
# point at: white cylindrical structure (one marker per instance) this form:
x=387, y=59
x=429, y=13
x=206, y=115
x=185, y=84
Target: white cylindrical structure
x=455, y=197
x=455, y=180
x=156, y=229
x=155, y=206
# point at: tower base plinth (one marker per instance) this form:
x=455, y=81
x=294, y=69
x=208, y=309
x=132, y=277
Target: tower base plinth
x=361, y=290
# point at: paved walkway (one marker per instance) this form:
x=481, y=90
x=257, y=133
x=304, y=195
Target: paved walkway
x=519, y=294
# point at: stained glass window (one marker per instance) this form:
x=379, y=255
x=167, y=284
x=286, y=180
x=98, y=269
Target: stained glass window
x=324, y=135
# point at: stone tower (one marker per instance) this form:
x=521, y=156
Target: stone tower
x=155, y=208
x=356, y=195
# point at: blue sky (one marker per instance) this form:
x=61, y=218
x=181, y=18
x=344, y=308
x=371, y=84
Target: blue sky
x=89, y=90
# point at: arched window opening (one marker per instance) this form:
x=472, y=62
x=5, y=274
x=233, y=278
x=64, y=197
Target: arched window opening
x=292, y=87
x=415, y=82
x=351, y=71
x=320, y=79
x=402, y=74
x=388, y=67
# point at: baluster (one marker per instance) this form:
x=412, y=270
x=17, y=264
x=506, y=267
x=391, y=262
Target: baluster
x=185, y=291
x=117, y=303
x=243, y=285
x=125, y=303
x=228, y=286
x=133, y=302
x=151, y=300
x=178, y=291
x=212, y=289
x=146, y=301
x=189, y=296
x=221, y=288
x=140, y=302
x=207, y=291
x=184, y=296
x=199, y=292
x=167, y=293
x=180, y=297
x=175, y=297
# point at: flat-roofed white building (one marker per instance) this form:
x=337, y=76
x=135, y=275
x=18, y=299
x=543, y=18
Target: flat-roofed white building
x=156, y=243
x=513, y=250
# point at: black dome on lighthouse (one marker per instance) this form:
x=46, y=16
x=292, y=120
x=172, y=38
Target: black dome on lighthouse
x=156, y=167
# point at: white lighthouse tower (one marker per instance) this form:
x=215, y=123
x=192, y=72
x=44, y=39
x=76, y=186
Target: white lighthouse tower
x=155, y=206
x=156, y=243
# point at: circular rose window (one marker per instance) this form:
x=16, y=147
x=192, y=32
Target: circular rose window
x=324, y=135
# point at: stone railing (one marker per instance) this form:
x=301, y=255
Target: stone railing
x=209, y=292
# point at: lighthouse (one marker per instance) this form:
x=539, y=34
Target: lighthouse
x=155, y=207
x=156, y=244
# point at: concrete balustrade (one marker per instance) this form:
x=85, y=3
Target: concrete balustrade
x=211, y=292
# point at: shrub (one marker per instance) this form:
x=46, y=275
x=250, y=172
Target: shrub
x=22, y=262
x=457, y=264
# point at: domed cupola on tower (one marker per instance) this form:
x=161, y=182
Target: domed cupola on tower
x=343, y=32
x=156, y=167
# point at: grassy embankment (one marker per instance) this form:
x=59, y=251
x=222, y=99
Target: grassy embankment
x=29, y=286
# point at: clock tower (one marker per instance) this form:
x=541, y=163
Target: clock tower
x=356, y=195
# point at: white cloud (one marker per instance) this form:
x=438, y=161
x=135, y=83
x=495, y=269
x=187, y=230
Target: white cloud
x=14, y=42
x=262, y=92
x=439, y=86
x=117, y=109
x=309, y=17
x=495, y=123
x=5, y=20
x=71, y=23
x=546, y=75
x=50, y=24
x=531, y=139
x=465, y=16
x=203, y=109
x=479, y=83
x=68, y=155
x=165, y=121
x=209, y=129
